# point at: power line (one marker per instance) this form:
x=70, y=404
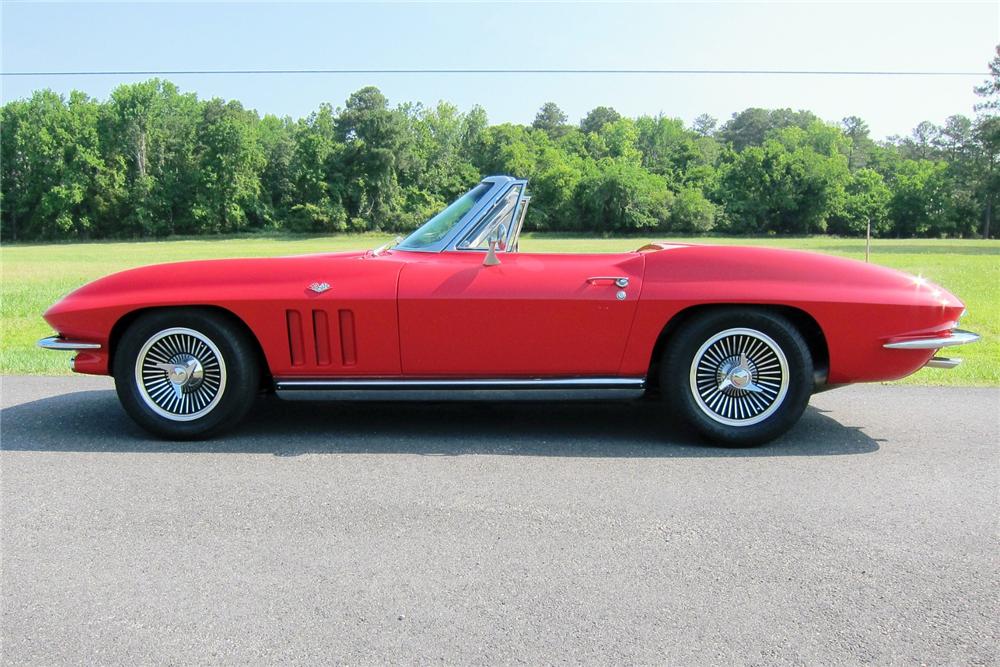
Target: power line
x=756, y=72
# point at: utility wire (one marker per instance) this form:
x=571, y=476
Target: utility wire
x=762, y=72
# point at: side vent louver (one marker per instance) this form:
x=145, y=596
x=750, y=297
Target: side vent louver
x=321, y=334
x=348, y=349
x=296, y=346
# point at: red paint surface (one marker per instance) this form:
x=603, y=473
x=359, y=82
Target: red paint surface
x=444, y=314
x=530, y=315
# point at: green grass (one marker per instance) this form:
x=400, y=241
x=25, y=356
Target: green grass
x=34, y=276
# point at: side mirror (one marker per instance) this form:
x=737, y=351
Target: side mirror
x=491, y=255
x=496, y=241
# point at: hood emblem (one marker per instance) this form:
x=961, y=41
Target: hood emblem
x=319, y=288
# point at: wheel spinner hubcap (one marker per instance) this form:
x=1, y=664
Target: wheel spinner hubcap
x=185, y=371
x=180, y=374
x=739, y=377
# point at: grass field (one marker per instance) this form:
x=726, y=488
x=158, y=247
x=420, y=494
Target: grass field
x=34, y=276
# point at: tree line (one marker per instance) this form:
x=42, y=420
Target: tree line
x=153, y=161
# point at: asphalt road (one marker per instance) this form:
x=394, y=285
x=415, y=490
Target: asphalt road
x=469, y=533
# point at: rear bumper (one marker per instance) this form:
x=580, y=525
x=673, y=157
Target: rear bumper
x=936, y=342
x=942, y=362
x=956, y=337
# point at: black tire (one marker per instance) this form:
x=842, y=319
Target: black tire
x=198, y=375
x=714, y=354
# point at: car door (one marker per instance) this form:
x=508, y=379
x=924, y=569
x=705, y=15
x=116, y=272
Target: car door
x=545, y=315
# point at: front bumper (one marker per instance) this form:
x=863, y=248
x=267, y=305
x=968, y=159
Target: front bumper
x=90, y=352
x=60, y=343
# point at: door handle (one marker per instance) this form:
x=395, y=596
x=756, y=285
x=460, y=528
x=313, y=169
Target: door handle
x=618, y=281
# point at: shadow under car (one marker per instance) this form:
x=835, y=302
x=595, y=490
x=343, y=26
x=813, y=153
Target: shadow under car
x=93, y=421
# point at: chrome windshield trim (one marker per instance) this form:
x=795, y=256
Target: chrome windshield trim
x=498, y=185
x=459, y=383
x=516, y=233
x=957, y=337
x=57, y=343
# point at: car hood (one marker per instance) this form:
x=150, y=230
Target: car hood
x=198, y=278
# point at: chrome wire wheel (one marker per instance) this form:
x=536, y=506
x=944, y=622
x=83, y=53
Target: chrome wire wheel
x=739, y=377
x=180, y=374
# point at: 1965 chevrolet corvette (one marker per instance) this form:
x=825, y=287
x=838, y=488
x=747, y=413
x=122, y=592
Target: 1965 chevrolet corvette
x=734, y=339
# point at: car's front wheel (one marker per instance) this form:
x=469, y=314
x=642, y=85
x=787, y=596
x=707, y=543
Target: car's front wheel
x=739, y=376
x=185, y=374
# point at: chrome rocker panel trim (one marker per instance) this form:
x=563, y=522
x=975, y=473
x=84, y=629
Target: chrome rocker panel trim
x=459, y=389
x=58, y=343
x=503, y=384
x=957, y=337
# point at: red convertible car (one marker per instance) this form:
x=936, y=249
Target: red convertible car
x=734, y=339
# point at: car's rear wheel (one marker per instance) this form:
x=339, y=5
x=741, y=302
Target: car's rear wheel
x=186, y=374
x=740, y=377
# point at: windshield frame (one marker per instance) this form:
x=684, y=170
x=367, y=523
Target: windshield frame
x=500, y=185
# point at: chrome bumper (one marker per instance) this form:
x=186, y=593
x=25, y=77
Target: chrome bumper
x=58, y=343
x=942, y=362
x=957, y=337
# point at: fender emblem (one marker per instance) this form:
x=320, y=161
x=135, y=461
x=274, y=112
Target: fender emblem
x=319, y=288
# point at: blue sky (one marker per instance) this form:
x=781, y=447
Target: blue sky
x=885, y=36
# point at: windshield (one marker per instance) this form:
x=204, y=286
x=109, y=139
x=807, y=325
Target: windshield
x=438, y=227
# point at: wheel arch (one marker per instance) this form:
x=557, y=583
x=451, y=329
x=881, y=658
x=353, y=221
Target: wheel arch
x=126, y=320
x=805, y=323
